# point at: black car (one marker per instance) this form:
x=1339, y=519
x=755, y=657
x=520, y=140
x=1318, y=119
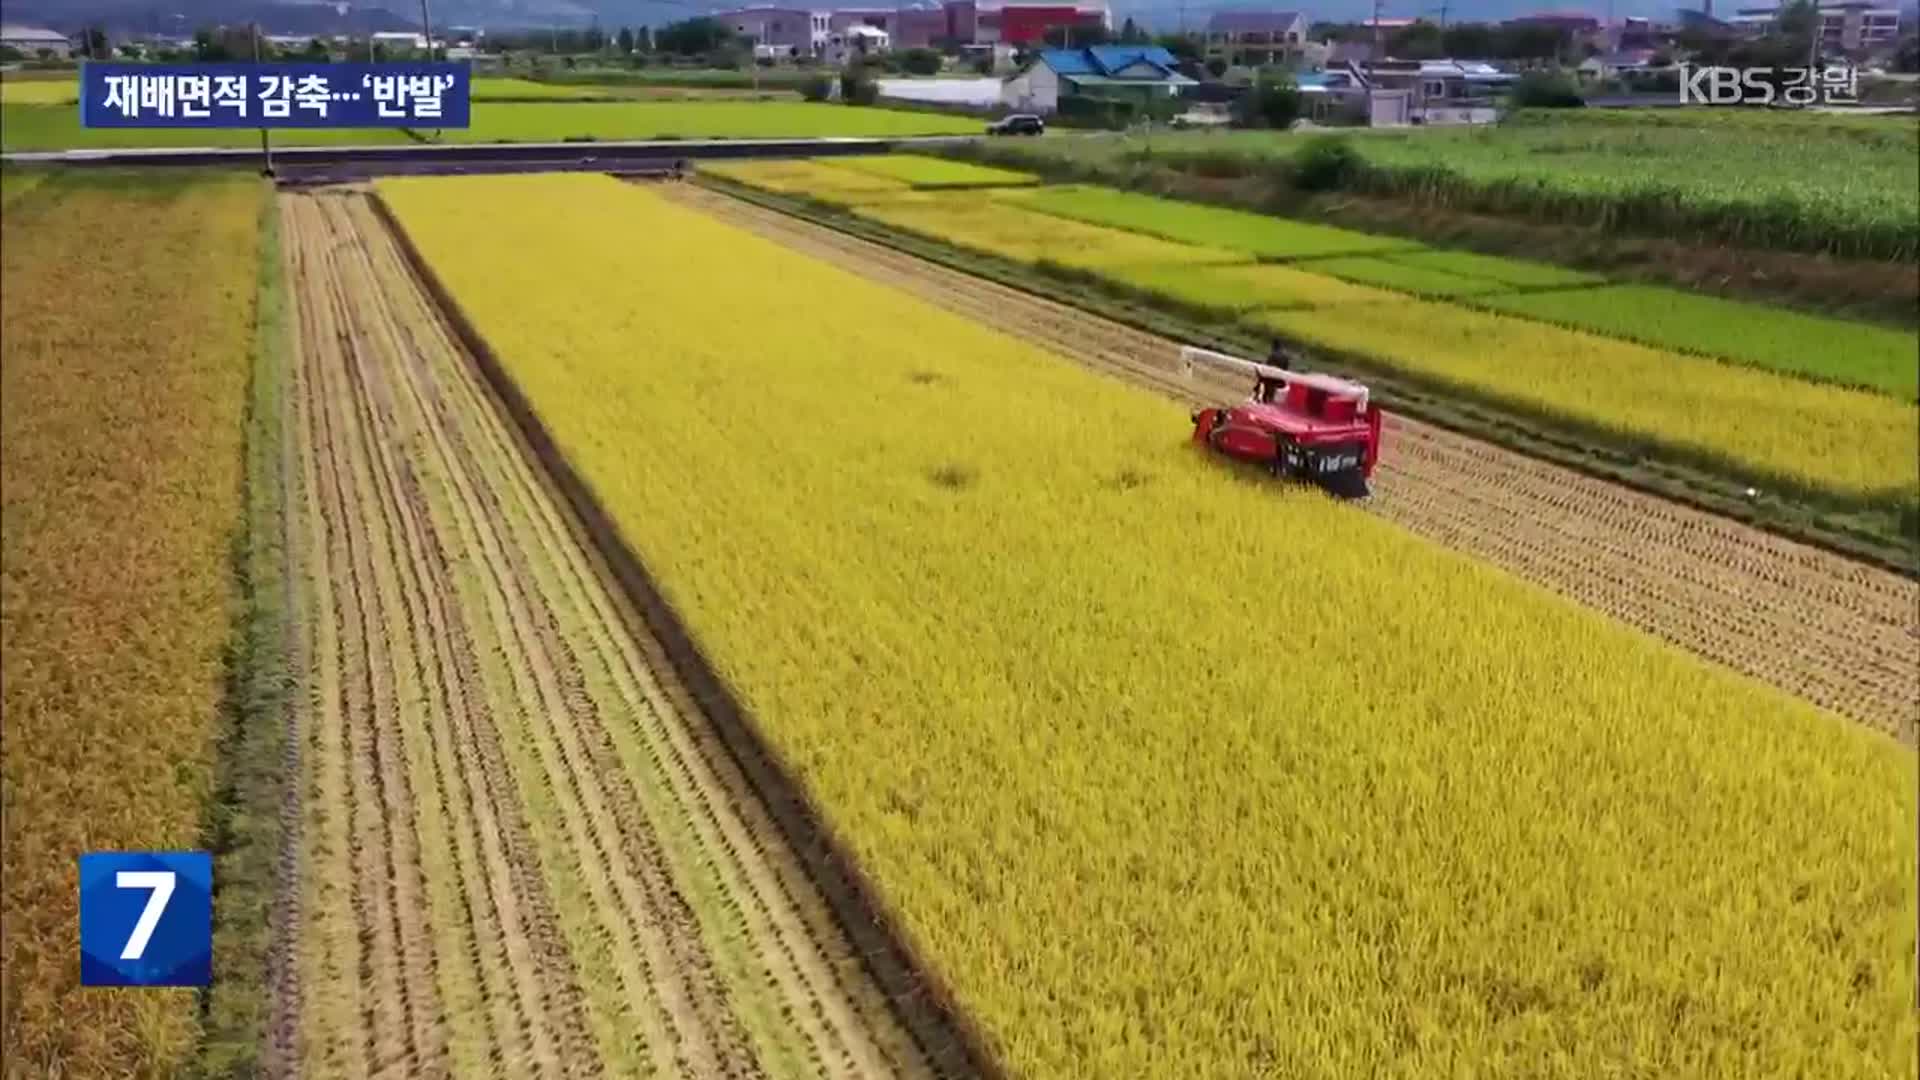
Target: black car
x=1018, y=124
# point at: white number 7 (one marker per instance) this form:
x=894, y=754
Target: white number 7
x=161, y=882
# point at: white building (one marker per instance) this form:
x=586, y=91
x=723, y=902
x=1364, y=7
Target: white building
x=844, y=46
x=1847, y=25
x=32, y=39
x=401, y=40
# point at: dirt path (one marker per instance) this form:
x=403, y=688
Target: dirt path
x=521, y=852
x=1838, y=633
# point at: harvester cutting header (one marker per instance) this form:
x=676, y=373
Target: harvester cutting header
x=1316, y=427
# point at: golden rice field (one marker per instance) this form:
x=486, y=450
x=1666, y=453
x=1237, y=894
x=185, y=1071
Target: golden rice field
x=1024, y=235
x=39, y=92
x=123, y=381
x=1770, y=428
x=1523, y=841
x=813, y=179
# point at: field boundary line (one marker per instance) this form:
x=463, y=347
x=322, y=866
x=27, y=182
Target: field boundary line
x=929, y=1010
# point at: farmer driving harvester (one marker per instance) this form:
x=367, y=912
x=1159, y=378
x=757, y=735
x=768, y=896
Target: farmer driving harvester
x=1273, y=390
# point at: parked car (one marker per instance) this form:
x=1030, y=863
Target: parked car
x=1018, y=124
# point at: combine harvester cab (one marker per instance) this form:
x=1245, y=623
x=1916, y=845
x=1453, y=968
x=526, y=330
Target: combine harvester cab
x=1315, y=427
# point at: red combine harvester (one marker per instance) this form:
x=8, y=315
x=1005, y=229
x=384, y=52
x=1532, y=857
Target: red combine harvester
x=1317, y=427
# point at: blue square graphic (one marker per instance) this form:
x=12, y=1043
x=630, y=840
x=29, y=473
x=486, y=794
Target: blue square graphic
x=146, y=918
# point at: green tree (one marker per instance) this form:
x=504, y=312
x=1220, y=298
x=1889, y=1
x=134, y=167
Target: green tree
x=1470, y=40
x=692, y=37
x=920, y=62
x=857, y=86
x=1272, y=102
x=1420, y=41
x=1906, y=55
x=1131, y=34
x=1184, y=47
x=1546, y=90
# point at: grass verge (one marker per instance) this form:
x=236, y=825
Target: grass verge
x=245, y=823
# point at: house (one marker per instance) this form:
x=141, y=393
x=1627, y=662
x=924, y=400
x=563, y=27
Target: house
x=1026, y=22
x=1435, y=92
x=1338, y=95
x=1255, y=38
x=1127, y=72
x=401, y=40
x=32, y=40
x=1576, y=23
x=1851, y=26
x=783, y=30
x=1615, y=64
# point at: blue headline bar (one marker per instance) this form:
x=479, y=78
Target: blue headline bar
x=275, y=95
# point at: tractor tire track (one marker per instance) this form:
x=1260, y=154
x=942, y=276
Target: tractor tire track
x=429, y=480
x=395, y=961
x=330, y=948
x=542, y=1010
x=1838, y=633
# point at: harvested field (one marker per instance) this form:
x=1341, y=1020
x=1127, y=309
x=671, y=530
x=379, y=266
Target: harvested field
x=1828, y=629
x=524, y=851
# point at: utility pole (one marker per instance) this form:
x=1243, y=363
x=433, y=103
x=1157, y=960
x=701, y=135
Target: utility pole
x=1372, y=58
x=426, y=28
x=266, y=147
x=426, y=31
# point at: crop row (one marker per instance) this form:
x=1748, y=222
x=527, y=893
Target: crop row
x=1525, y=841
x=124, y=376
x=1769, y=428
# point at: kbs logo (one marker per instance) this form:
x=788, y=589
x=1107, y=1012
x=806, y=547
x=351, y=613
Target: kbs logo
x=146, y=918
x=1764, y=86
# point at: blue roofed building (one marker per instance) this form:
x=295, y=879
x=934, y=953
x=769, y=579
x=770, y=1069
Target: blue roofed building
x=1135, y=73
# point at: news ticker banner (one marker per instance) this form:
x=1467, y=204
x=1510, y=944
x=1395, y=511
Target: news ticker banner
x=275, y=95
x=146, y=918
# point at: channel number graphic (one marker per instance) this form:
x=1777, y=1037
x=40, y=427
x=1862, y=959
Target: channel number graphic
x=146, y=918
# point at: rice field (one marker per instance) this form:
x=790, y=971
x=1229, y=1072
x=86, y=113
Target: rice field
x=123, y=390
x=1260, y=235
x=1413, y=278
x=931, y=172
x=1772, y=430
x=510, y=89
x=1015, y=232
x=809, y=178
x=1839, y=351
x=640, y=120
x=1529, y=842
x=57, y=127
x=40, y=91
